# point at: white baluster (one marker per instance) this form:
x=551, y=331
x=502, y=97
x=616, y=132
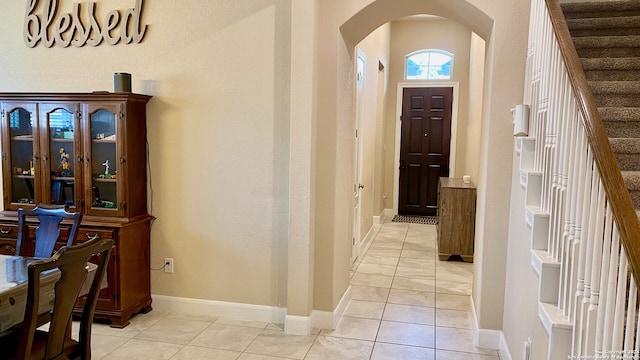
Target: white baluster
x=604, y=274
x=582, y=294
x=592, y=277
x=632, y=315
x=636, y=347
x=607, y=326
x=572, y=260
x=621, y=298
x=566, y=261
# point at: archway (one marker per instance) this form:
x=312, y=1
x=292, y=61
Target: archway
x=382, y=11
x=322, y=115
x=379, y=12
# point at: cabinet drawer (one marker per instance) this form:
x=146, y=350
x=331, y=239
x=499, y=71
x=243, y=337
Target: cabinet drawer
x=8, y=231
x=85, y=234
x=7, y=247
x=62, y=238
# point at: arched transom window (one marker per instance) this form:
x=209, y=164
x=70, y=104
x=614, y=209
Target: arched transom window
x=428, y=64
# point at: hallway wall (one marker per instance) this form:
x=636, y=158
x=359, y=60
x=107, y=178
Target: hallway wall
x=504, y=27
x=218, y=133
x=473, y=140
x=376, y=48
x=521, y=320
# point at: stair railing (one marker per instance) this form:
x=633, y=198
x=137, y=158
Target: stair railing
x=592, y=233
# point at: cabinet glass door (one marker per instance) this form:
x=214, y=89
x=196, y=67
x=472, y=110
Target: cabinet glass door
x=20, y=156
x=60, y=153
x=104, y=161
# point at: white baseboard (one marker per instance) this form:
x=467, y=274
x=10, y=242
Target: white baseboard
x=488, y=339
x=298, y=325
x=505, y=354
x=237, y=311
x=380, y=219
x=328, y=320
x=366, y=242
x=388, y=214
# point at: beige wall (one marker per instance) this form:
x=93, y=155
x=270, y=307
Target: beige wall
x=250, y=137
x=472, y=140
x=521, y=320
x=300, y=245
x=335, y=145
x=218, y=132
x=376, y=49
x=503, y=87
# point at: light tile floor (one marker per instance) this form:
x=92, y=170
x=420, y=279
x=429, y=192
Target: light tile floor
x=405, y=305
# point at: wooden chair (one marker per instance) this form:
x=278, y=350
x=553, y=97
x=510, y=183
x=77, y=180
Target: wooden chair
x=56, y=342
x=48, y=231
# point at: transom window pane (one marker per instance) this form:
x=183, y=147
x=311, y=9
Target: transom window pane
x=429, y=65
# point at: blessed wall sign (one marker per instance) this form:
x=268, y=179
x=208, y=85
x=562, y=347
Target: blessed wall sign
x=80, y=26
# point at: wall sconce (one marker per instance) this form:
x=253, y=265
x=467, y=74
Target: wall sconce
x=520, y=120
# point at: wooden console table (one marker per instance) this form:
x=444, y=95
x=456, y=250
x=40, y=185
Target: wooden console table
x=456, y=219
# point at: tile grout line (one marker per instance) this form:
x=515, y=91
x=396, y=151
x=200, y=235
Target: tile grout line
x=413, y=237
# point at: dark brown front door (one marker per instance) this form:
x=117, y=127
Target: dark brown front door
x=424, y=148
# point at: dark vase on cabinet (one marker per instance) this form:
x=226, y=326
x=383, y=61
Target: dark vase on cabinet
x=86, y=151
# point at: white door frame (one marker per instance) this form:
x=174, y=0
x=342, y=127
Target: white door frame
x=357, y=201
x=454, y=130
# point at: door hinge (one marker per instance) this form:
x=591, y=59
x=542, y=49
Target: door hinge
x=79, y=115
x=121, y=115
x=4, y=156
x=356, y=132
x=2, y=113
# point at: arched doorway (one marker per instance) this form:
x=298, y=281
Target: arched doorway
x=319, y=260
x=367, y=20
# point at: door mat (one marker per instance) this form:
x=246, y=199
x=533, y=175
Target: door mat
x=414, y=219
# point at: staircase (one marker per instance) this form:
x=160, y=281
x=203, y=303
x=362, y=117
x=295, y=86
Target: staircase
x=606, y=35
x=581, y=151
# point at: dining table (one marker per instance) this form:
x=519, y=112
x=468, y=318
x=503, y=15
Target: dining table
x=13, y=288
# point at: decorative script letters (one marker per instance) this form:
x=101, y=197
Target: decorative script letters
x=69, y=29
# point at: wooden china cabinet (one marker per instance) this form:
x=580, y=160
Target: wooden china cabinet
x=86, y=151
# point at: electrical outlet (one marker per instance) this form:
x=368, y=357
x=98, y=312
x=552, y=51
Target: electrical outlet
x=168, y=265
